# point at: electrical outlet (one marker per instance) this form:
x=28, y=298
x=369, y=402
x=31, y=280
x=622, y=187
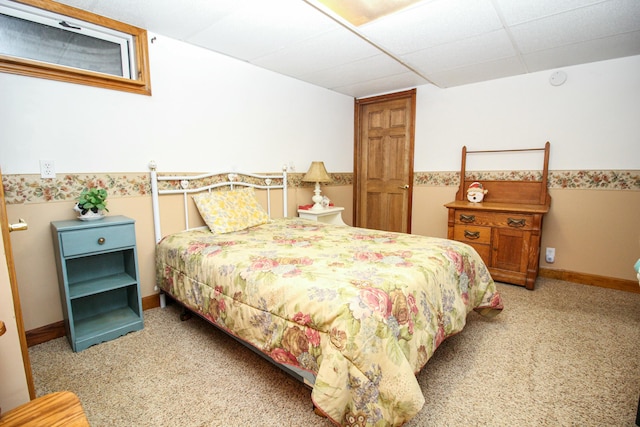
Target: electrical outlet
x=47, y=169
x=550, y=255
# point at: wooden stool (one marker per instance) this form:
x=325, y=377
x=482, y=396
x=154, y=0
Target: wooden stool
x=53, y=410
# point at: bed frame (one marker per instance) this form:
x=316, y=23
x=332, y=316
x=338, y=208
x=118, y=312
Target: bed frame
x=192, y=184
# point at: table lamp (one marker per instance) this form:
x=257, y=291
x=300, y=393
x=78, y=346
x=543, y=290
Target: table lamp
x=317, y=173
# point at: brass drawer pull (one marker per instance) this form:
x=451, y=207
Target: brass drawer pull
x=101, y=240
x=516, y=222
x=472, y=235
x=467, y=218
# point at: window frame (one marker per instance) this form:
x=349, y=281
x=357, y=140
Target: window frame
x=33, y=68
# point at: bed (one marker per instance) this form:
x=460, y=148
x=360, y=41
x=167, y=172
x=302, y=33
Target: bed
x=353, y=313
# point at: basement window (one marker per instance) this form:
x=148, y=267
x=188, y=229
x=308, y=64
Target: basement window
x=40, y=38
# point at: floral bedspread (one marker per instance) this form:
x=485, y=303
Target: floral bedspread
x=361, y=309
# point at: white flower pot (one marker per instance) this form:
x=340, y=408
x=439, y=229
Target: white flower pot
x=89, y=215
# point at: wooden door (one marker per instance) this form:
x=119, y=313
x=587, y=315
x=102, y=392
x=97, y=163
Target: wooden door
x=16, y=386
x=383, y=161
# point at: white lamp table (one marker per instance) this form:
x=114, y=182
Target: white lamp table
x=331, y=215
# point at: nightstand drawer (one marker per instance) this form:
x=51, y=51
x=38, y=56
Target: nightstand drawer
x=97, y=239
x=472, y=234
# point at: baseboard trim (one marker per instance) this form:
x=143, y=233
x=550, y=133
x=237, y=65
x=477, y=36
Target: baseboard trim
x=591, y=280
x=56, y=330
x=45, y=333
x=152, y=301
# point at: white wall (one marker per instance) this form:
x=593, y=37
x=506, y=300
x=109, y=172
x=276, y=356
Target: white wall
x=210, y=112
x=592, y=120
x=207, y=112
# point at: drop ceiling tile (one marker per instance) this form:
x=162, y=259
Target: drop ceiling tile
x=517, y=12
x=196, y=15
x=371, y=68
x=141, y=14
x=479, y=72
x=580, y=53
x=394, y=83
x=433, y=23
x=263, y=27
x=482, y=48
x=327, y=50
x=597, y=21
x=167, y=17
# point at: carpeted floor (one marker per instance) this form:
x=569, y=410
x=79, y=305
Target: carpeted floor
x=562, y=355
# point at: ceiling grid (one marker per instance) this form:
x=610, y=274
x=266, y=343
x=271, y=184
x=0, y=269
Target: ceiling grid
x=446, y=43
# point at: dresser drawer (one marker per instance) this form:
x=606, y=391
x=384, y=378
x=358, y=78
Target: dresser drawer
x=472, y=234
x=483, y=250
x=495, y=219
x=97, y=239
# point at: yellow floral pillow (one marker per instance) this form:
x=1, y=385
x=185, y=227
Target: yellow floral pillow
x=232, y=210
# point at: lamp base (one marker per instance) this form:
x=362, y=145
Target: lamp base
x=317, y=199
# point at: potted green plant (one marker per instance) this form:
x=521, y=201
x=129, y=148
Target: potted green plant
x=91, y=203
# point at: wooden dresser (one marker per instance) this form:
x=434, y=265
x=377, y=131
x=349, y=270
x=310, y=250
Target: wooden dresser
x=506, y=227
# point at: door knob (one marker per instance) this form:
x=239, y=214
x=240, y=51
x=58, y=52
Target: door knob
x=20, y=226
x=404, y=187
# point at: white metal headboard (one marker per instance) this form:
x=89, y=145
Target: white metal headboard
x=265, y=182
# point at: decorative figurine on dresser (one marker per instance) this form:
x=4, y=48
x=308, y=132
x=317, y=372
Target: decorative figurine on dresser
x=98, y=278
x=502, y=220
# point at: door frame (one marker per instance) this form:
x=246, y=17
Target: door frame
x=13, y=282
x=357, y=147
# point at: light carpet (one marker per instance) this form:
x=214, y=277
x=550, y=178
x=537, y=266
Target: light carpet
x=563, y=355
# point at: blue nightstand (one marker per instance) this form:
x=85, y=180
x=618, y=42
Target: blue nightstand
x=98, y=277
